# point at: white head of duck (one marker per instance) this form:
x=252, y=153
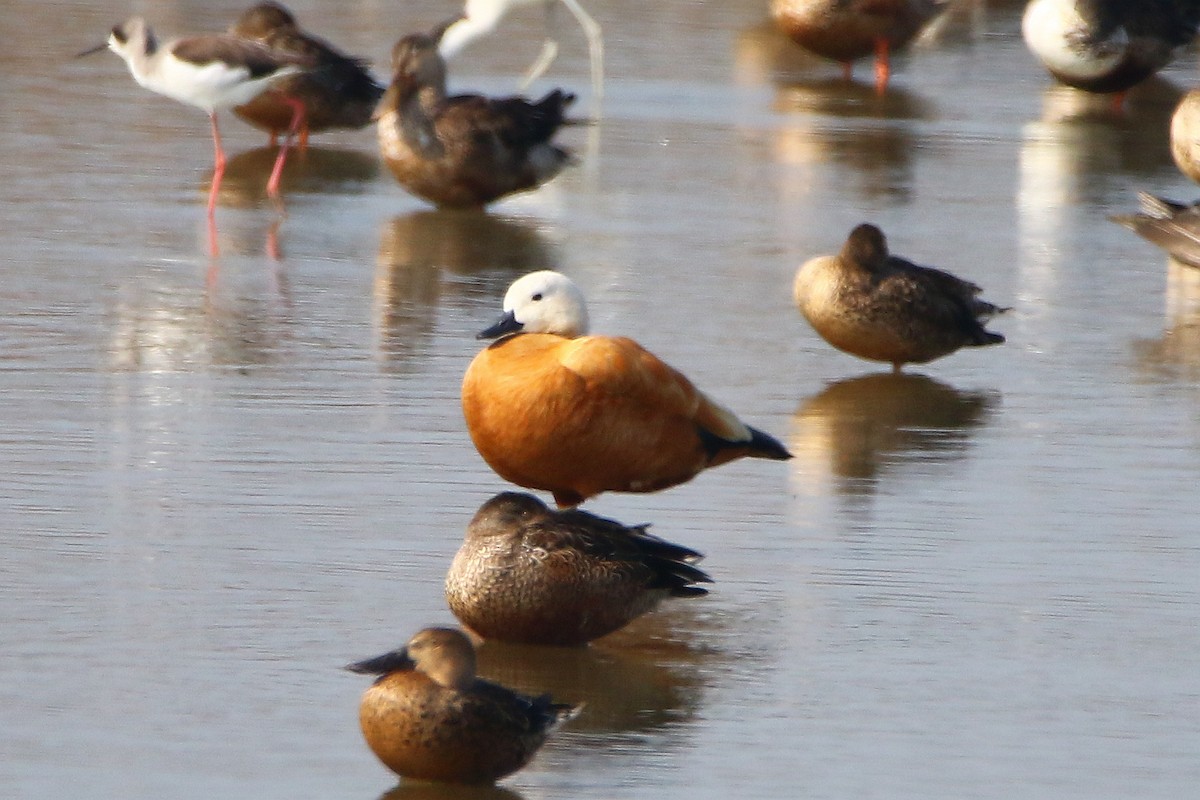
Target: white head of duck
x=542, y=302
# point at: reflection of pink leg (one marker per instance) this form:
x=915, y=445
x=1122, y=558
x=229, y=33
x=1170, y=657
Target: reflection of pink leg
x=277, y=171
x=882, y=67
x=272, y=244
x=218, y=167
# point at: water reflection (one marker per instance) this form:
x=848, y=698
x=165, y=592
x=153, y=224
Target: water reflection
x=868, y=134
x=415, y=248
x=315, y=170
x=1080, y=143
x=1175, y=355
x=164, y=330
x=625, y=690
x=420, y=790
x=1079, y=152
x=857, y=429
x=763, y=54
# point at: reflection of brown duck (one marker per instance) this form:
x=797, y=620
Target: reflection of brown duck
x=1175, y=227
x=861, y=424
x=630, y=687
x=466, y=150
x=528, y=574
x=464, y=241
x=338, y=92
x=880, y=307
x=317, y=170
x=429, y=717
x=416, y=248
x=847, y=30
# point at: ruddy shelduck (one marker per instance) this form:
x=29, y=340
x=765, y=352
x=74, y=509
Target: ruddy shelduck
x=551, y=408
x=428, y=717
x=528, y=574
x=880, y=307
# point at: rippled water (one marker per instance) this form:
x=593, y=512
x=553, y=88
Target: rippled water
x=227, y=475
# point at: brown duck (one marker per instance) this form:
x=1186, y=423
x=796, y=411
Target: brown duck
x=526, y=573
x=880, y=307
x=467, y=150
x=428, y=717
x=847, y=30
x=338, y=91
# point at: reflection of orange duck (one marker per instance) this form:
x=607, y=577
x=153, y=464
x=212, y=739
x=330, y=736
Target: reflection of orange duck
x=877, y=306
x=551, y=408
x=428, y=717
x=337, y=92
x=847, y=30
x=528, y=574
x=467, y=150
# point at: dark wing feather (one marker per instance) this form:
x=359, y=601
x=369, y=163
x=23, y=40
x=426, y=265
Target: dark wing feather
x=255, y=57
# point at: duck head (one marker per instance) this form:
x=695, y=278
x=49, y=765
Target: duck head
x=542, y=302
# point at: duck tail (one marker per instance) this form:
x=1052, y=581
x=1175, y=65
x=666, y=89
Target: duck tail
x=761, y=445
x=986, y=337
x=764, y=445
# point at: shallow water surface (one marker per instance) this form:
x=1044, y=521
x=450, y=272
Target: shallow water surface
x=229, y=473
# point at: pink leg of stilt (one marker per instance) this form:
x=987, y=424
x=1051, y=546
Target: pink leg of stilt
x=218, y=167
x=277, y=171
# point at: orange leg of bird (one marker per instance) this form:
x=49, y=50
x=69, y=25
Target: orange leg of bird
x=1118, y=102
x=277, y=170
x=882, y=68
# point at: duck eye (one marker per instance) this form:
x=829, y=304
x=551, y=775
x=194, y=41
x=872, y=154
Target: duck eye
x=537, y=296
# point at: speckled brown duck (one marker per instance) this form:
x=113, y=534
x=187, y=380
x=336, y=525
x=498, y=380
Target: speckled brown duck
x=847, y=30
x=429, y=717
x=880, y=307
x=1108, y=46
x=467, y=150
x=338, y=92
x=528, y=574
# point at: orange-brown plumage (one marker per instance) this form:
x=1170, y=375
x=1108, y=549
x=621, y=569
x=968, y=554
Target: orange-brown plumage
x=579, y=415
x=428, y=717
